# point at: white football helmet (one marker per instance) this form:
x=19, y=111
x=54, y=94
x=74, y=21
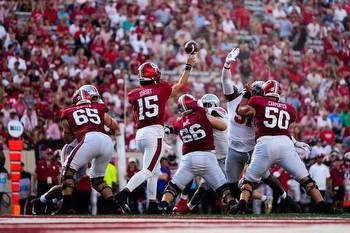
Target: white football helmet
x=209, y=101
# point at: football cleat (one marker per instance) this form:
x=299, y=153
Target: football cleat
x=62, y=211
x=153, y=208
x=38, y=208
x=323, y=208
x=240, y=209
x=121, y=200
x=291, y=204
x=181, y=207
x=164, y=208
x=268, y=204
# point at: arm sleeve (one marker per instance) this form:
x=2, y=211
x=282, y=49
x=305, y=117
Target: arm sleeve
x=227, y=85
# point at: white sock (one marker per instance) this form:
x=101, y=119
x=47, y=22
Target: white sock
x=284, y=195
x=183, y=196
x=263, y=197
x=43, y=199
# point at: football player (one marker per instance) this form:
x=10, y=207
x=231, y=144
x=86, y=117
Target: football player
x=42, y=204
x=274, y=144
x=148, y=104
x=211, y=103
x=195, y=128
x=85, y=121
x=241, y=132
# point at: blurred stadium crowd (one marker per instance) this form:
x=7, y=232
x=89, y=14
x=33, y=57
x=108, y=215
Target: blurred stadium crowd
x=50, y=48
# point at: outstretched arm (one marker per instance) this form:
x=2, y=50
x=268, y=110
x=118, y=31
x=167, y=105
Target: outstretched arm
x=230, y=91
x=176, y=88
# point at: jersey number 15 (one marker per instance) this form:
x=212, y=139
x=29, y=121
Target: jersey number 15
x=148, y=107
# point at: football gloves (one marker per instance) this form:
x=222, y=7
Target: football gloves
x=231, y=57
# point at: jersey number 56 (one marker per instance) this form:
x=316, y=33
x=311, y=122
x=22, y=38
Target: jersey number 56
x=193, y=133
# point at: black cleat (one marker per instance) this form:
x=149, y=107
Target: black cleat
x=121, y=199
x=153, y=208
x=38, y=208
x=323, y=208
x=164, y=208
x=240, y=208
x=62, y=211
x=291, y=204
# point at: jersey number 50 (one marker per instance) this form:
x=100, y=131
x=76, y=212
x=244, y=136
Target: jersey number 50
x=148, y=107
x=276, y=117
x=83, y=116
x=193, y=133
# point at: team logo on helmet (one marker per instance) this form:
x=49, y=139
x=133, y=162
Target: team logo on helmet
x=272, y=88
x=93, y=92
x=149, y=71
x=81, y=97
x=184, y=102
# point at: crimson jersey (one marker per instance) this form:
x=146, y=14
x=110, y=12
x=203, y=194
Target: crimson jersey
x=85, y=118
x=195, y=131
x=148, y=103
x=271, y=117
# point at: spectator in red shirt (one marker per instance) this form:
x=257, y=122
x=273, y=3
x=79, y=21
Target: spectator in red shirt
x=47, y=172
x=337, y=176
x=327, y=135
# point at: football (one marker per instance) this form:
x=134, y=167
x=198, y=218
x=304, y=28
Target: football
x=191, y=47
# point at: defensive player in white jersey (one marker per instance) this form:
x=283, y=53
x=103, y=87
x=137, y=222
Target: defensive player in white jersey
x=241, y=131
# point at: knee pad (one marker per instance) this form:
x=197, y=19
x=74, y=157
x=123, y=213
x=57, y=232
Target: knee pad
x=173, y=189
x=247, y=186
x=309, y=184
x=99, y=184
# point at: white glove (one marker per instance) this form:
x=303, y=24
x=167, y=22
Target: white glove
x=231, y=57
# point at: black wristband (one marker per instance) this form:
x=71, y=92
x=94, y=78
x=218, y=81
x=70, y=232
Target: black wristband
x=247, y=95
x=188, y=67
